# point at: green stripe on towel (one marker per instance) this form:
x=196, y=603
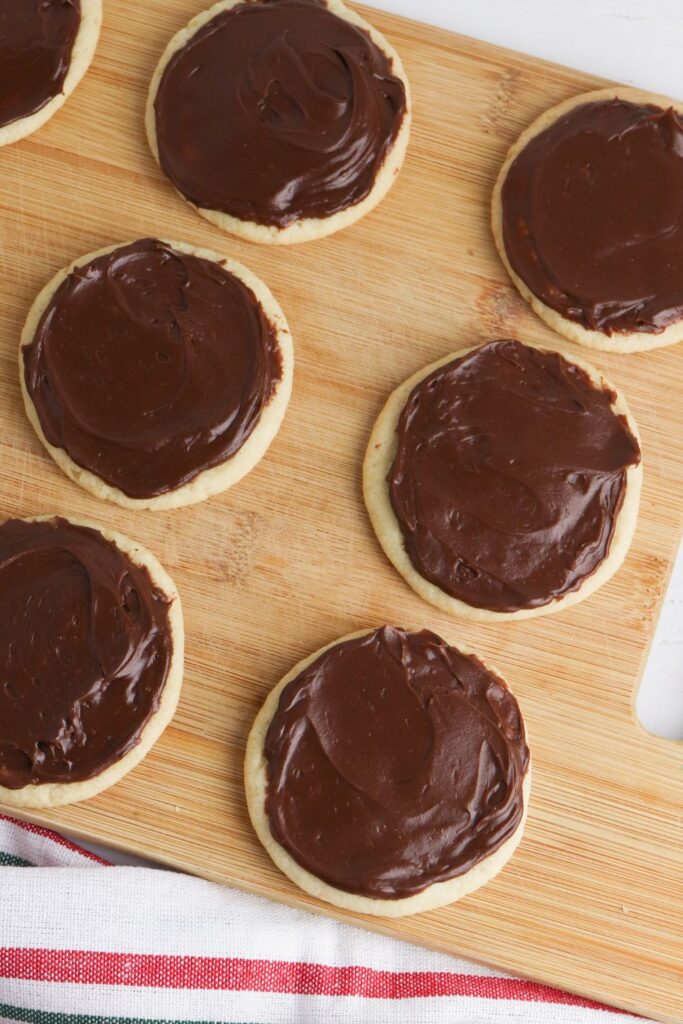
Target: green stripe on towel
x=24, y=1016
x=8, y=860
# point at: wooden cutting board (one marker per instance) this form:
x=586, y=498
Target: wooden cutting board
x=287, y=561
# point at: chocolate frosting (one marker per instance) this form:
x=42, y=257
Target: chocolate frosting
x=394, y=762
x=593, y=216
x=150, y=366
x=85, y=649
x=277, y=110
x=36, y=40
x=508, y=477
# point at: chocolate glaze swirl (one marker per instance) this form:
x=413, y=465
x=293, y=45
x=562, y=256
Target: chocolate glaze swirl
x=394, y=762
x=85, y=649
x=277, y=110
x=508, y=476
x=593, y=216
x=150, y=366
x=36, y=41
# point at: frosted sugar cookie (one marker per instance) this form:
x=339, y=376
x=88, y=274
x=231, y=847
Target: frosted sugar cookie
x=503, y=481
x=388, y=773
x=280, y=120
x=156, y=374
x=588, y=219
x=46, y=47
x=91, y=652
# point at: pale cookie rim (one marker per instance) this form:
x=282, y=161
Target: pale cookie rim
x=57, y=794
x=309, y=228
x=82, y=54
x=438, y=894
x=379, y=458
x=626, y=343
x=209, y=482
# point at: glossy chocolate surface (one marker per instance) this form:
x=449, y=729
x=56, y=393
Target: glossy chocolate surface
x=85, y=649
x=394, y=762
x=36, y=42
x=509, y=475
x=276, y=111
x=593, y=216
x=150, y=366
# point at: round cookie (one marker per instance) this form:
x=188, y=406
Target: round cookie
x=225, y=471
x=82, y=53
x=501, y=815
x=379, y=460
x=629, y=340
x=163, y=598
x=301, y=228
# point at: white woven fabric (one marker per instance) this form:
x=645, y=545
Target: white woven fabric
x=84, y=943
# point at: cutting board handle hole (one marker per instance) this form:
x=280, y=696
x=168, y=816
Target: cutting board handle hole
x=659, y=702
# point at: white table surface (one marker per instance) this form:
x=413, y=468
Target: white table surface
x=635, y=41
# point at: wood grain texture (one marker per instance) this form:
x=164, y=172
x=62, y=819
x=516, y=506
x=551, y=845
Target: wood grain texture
x=287, y=561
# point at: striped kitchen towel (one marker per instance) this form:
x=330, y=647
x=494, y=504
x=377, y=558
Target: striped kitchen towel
x=131, y=945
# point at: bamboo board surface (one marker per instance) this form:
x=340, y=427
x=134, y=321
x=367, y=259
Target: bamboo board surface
x=287, y=561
